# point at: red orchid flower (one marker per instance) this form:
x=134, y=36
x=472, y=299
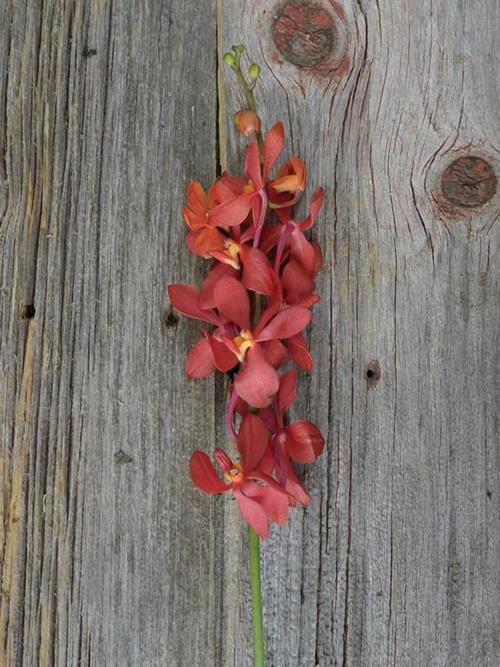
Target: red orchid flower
x=287, y=188
x=259, y=497
x=234, y=341
x=204, y=239
x=301, y=440
x=248, y=123
x=304, y=256
x=254, y=196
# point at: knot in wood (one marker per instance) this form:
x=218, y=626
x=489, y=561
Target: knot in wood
x=469, y=181
x=304, y=33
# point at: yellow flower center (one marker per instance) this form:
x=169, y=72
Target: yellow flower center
x=235, y=474
x=232, y=247
x=243, y=342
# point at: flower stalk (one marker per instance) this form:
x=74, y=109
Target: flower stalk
x=255, y=584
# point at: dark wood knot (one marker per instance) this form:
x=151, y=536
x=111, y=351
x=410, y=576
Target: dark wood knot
x=469, y=181
x=304, y=33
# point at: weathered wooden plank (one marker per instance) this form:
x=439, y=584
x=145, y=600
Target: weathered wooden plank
x=106, y=550
x=396, y=561
x=107, y=554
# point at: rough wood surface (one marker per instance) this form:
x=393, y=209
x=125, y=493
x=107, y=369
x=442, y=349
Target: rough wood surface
x=108, y=555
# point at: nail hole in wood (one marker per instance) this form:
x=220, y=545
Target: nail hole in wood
x=27, y=311
x=372, y=373
x=170, y=319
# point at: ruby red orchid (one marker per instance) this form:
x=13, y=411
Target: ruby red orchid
x=234, y=342
x=259, y=497
x=255, y=303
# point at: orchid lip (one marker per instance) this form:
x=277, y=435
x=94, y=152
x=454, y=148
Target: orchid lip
x=244, y=341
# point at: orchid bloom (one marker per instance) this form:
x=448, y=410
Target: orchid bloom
x=260, y=498
x=301, y=440
x=234, y=341
x=287, y=188
x=255, y=303
x=248, y=123
x=204, y=239
x=254, y=196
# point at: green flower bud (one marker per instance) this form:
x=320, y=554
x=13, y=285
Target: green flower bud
x=229, y=59
x=254, y=71
x=239, y=48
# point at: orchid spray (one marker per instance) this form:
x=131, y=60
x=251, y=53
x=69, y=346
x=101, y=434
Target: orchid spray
x=257, y=299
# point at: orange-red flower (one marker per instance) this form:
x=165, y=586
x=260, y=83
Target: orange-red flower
x=248, y=123
x=287, y=188
x=260, y=498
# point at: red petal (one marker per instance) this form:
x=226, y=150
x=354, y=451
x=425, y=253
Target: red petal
x=196, y=197
x=294, y=487
x=258, y=274
x=274, y=304
x=288, y=391
x=252, y=513
x=258, y=382
x=205, y=240
x=241, y=407
x=203, y=474
x=223, y=357
x=253, y=440
x=231, y=300
x=231, y=213
x=288, y=322
x=184, y=298
x=299, y=352
x=304, y=441
x=296, y=283
x=206, y=296
x=273, y=145
x=303, y=252
x=317, y=202
x=272, y=497
x=275, y=352
x=270, y=237
x=319, y=256
x=252, y=165
x=200, y=361
x=193, y=220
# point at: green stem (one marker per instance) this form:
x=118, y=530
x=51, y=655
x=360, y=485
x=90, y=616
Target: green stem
x=248, y=90
x=258, y=626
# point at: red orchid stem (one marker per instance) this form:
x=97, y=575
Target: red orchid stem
x=257, y=620
x=230, y=414
x=262, y=218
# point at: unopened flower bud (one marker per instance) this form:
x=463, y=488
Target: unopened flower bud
x=248, y=122
x=229, y=59
x=239, y=48
x=254, y=71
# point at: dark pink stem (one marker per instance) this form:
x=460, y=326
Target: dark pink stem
x=230, y=414
x=262, y=215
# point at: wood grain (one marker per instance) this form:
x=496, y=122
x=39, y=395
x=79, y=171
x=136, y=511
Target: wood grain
x=106, y=548
x=396, y=560
x=108, y=555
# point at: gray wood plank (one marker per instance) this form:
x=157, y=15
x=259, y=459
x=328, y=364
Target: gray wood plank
x=107, y=555
x=396, y=560
x=106, y=550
